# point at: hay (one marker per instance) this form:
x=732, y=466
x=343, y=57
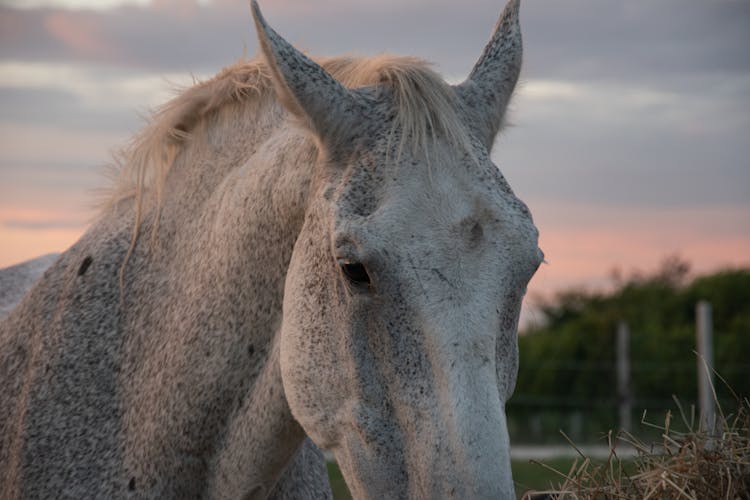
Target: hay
x=696, y=464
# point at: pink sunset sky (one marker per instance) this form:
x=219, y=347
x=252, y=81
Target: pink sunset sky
x=628, y=137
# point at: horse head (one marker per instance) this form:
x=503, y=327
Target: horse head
x=398, y=342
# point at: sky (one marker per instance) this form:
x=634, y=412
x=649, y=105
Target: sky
x=628, y=138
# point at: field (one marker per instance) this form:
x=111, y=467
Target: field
x=528, y=476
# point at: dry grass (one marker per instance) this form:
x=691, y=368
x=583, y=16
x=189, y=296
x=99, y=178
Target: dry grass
x=697, y=464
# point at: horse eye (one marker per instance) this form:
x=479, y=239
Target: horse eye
x=356, y=273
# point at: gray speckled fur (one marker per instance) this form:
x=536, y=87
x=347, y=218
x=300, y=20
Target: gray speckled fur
x=234, y=334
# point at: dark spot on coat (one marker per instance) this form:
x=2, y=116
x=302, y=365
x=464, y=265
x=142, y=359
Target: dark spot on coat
x=85, y=265
x=251, y=350
x=131, y=484
x=476, y=233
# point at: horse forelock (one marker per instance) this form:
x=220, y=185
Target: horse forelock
x=425, y=105
x=425, y=108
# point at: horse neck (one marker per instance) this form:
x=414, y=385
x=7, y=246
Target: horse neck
x=228, y=225
x=234, y=203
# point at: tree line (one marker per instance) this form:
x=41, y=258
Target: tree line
x=567, y=359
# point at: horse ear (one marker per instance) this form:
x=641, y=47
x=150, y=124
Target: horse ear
x=487, y=90
x=304, y=88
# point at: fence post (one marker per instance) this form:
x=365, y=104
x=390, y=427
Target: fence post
x=704, y=343
x=624, y=396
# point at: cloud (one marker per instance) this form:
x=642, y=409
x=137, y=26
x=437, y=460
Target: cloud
x=83, y=36
x=100, y=87
x=129, y=37
x=54, y=169
x=25, y=145
x=625, y=145
x=577, y=39
x=635, y=41
x=73, y=4
x=43, y=225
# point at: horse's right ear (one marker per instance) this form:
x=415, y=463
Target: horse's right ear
x=306, y=89
x=487, y=90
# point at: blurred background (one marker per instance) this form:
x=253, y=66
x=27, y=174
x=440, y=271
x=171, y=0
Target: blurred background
x=628, y=139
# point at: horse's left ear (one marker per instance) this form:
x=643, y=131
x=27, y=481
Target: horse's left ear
x=304, y=88
x=487, y=90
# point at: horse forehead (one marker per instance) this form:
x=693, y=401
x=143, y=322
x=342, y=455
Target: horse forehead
x=415, y=197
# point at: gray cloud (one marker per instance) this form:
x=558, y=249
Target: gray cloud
x=60, y=108
x=577, y=39
x=605, y=146
x=597, y=39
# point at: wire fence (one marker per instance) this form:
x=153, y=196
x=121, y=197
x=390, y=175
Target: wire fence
x=538, y=418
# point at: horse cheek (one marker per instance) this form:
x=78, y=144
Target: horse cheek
x=307, y=351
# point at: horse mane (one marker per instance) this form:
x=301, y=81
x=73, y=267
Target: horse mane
x=425, y=106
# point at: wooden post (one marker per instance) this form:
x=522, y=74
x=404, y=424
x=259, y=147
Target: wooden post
x=704, y=343
x=624, y=396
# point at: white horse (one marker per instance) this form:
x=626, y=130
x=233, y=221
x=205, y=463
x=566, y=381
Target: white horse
x=293, y=249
